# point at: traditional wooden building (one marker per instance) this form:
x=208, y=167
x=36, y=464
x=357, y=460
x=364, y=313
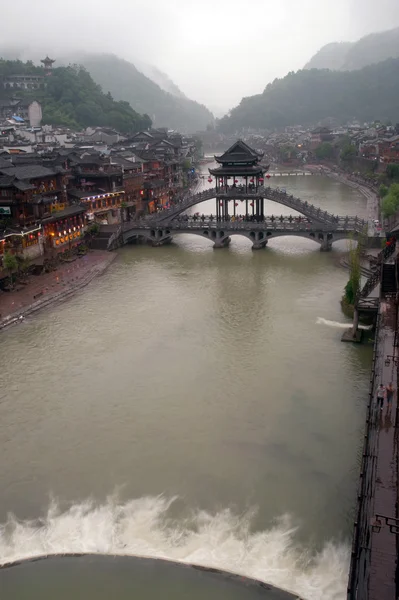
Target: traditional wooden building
x=239, y=179
x=320, y=135
x=94, y=172
x=389, y=152
x=133, y=182
x=100, y=207
x=32, y=192
x=34, y=210
x=98, y=185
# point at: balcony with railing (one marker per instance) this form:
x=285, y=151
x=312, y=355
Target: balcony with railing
x=108, y=171
x=240, y=191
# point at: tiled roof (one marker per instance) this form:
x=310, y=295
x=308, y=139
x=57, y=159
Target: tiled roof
x=6, y=181
x=70, y=211
x=4, y=163
x=28, y=172
x=92, y=159
x=239, y=152
x=126, y=164
x=79, y=194
x=23, y=186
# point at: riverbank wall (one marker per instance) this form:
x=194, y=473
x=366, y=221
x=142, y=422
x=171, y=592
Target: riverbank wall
x=373, y=558
x=72, y=286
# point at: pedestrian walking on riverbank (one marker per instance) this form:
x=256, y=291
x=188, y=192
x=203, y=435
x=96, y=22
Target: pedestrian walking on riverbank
x=380, y=397
x=390, y=393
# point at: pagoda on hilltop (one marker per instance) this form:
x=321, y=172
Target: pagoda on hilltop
x=47, y=63
x=239, y=179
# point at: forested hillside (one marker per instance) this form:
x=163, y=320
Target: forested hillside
x=309, y=96
x=126, y=82
x=72, y=98
x=348, y=56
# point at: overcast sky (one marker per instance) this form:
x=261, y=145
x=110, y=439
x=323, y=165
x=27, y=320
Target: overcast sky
x=216, y=51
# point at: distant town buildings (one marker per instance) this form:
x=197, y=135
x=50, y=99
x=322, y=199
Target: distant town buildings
x=23, y=82
x=54, y=183
x=17, y=111
x=372, y=142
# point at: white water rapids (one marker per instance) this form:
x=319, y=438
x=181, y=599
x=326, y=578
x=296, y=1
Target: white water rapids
x=338, y=325
x=224, y=540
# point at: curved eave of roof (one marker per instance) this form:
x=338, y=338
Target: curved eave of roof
x=247, y=153
x=249, y=161
x=236, y=170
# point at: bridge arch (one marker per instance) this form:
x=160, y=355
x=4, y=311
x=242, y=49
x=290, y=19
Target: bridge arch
x=221, y=236
x=273, y=194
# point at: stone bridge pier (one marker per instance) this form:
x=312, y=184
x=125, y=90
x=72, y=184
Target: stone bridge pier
x=259, y=239
x=220, y=238
x=326, y=241
x=157, y=236
x=220, y=234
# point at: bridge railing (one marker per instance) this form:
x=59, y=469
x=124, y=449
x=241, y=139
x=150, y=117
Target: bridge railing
x=243, y=226
x=277, y=225
x=291, y=201
x=359, y=571
x=375, y=278
x=341, y=221
x=187, y=201
x=273, y=194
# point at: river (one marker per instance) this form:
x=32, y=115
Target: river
x=193, y=404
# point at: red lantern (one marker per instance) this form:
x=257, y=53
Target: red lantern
x=235, y=203
x=235, y=180
x=252, y=180
x=210, y=179
x=261, y=180
x=221, y=203
x=268, y=176
x=252, y=203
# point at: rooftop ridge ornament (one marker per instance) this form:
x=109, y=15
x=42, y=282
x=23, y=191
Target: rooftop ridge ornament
x=239, y=153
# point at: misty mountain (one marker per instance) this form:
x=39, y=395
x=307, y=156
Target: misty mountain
x=126, y=82
x=348, y=56
x=309, y=96
x=160, y=78
x=331, y=56
x=72, y=98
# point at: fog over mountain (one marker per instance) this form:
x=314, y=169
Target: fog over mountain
x=214, y=52
x=349, y=56
x=160, y=78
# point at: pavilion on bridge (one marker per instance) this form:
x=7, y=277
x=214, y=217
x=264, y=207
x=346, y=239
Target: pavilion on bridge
x=239, y=178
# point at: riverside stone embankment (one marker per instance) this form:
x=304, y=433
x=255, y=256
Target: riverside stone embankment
x=59, y=285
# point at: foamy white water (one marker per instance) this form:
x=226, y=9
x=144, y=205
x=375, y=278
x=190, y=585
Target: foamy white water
x=224, y=540
x=338, y=325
